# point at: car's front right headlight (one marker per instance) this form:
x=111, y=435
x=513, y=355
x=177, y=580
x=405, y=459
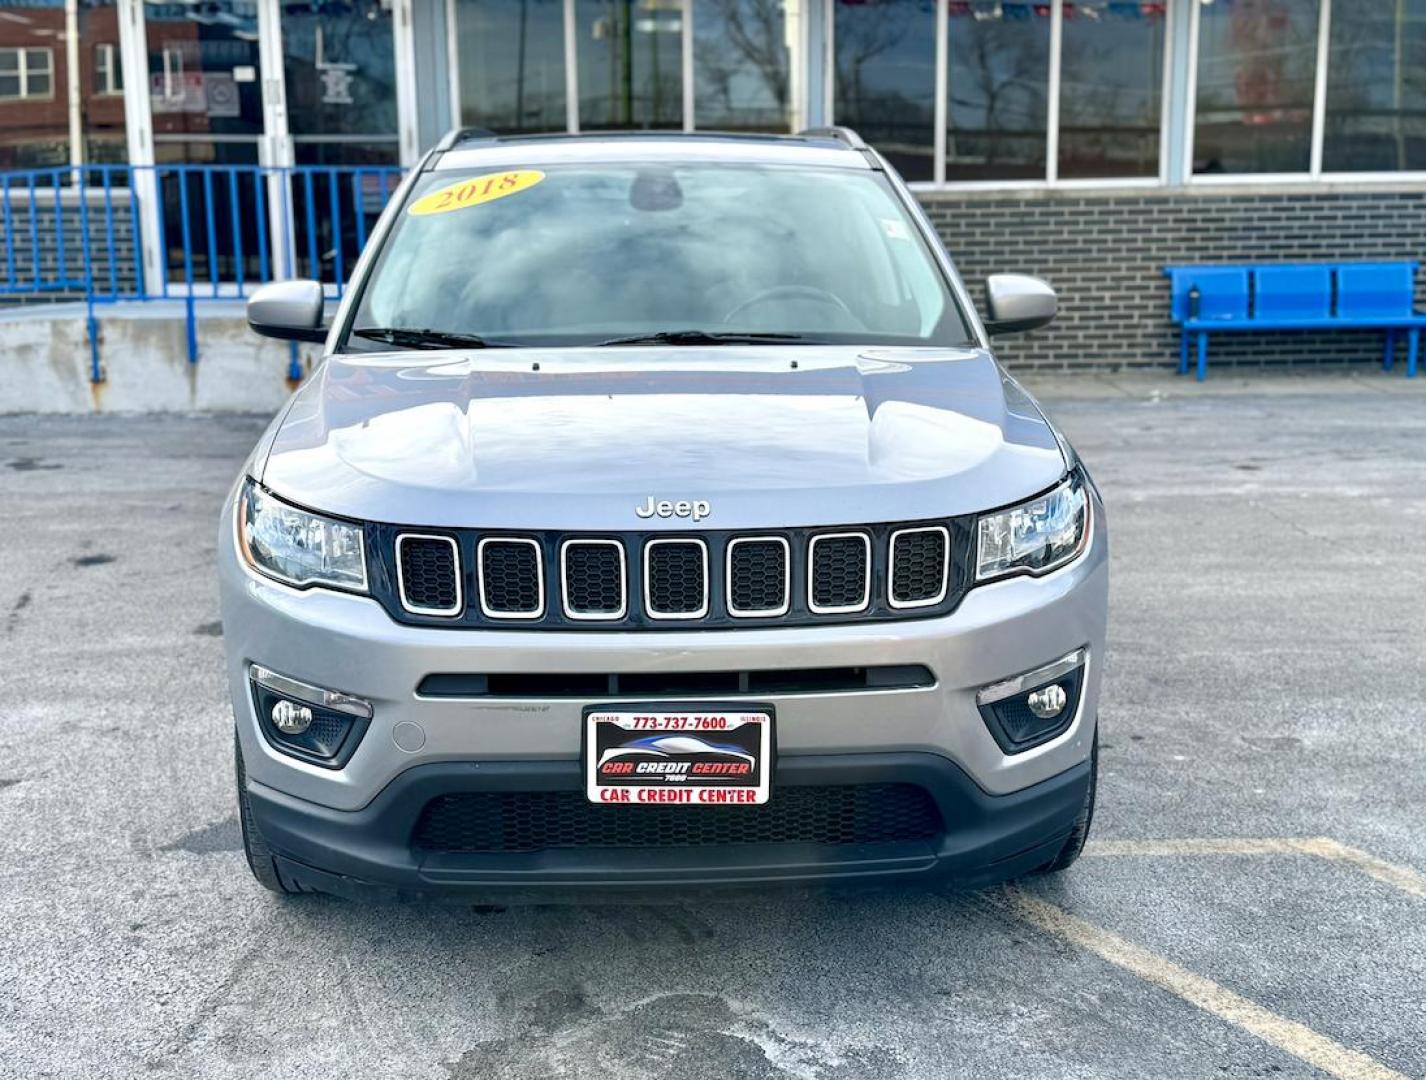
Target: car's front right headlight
x=298, y=547
x=1037, y=536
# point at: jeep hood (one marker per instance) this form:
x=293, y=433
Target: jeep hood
x=577, y=438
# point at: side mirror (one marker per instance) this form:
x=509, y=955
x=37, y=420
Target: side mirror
x=1018, y=302
x=288, y=310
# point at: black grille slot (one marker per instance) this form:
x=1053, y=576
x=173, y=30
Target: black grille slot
x=918, y=566
x=510, y=578
x=593, y=573
x=430, y=574
x=516, y=821
x=839, y=572
x=757, y=577
x=677, y=578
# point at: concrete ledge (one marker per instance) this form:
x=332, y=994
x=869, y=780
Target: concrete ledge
x=144, y=351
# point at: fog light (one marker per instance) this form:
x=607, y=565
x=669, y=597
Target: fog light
x=1048, y=701
x=290, y=718
x=1035, y=707
x=305, y=721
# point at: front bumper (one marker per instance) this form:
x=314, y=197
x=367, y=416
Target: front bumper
x=348, y=643
x=366, y=853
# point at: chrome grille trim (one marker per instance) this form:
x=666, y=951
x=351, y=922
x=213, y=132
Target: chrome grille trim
x=594, y=616
x=491, y=613
x=765, y=613
x=837, y=609
x=417, y=609
x=685, y=616
x=903, y=605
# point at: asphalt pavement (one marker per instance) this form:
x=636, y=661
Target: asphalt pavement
x=1253, y=902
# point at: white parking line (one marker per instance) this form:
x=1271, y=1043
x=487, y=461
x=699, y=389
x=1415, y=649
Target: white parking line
x=1296, y=1039
x=1402, y=877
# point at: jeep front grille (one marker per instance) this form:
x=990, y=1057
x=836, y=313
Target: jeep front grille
x=676, y=579
x=592, y=578
x=918, y=565
x=839, y=580
x=428, y=574
x=672, y=581
x=512, y=581
x=759, y=577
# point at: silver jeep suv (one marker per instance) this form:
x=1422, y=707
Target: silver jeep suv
x=659, y=517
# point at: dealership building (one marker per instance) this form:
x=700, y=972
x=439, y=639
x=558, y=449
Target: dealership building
x=1089, y=141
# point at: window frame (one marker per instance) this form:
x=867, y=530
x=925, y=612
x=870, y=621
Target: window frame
x=108, y=75
x=23, y=72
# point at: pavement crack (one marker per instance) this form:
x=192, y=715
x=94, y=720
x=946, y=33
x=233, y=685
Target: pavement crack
x=209, y=1005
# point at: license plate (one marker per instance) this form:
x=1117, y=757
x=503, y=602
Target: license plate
x=691, y=756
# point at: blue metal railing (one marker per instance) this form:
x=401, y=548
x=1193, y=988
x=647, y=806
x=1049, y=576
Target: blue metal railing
x=219, y=231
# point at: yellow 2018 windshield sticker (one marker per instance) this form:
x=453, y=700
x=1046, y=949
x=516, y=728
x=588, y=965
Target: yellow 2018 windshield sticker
x=475, y=190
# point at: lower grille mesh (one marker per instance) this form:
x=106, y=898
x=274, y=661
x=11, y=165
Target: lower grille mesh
x=516, y=821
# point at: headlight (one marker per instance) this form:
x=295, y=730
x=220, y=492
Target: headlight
x=1034, y=537
x=298, y=547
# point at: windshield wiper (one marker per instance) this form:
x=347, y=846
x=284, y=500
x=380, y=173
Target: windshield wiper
x=409, y=338
x=701, y=337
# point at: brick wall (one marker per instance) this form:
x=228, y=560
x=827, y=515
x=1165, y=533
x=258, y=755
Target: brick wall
x=1104, y=252
x=18, y=265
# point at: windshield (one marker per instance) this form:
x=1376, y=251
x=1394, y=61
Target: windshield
x=593, y=253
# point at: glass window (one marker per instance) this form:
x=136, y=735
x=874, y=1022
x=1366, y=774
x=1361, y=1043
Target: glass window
x=511, y=57
x=108, y=73
x=26, y=73
x=102, y=103
x=35, y=118
x=33, y=71
x=997, y=91
x=1376, y=96
x=1256, y=68
x=741, y=65
x=340, y=62
x=10, y=73
x=39, y=72
x=630, y=64
x=886, y=79
x=203, y=73
x=1111, y=83
x=823, y=254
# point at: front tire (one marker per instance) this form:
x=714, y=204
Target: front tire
x=260, y=860
x=1080, y=832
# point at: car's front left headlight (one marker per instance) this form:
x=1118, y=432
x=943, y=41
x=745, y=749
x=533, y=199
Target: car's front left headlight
x=1035, y=537
x=298, y=547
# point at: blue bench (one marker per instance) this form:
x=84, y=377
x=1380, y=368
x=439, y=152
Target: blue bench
x=1295, y=296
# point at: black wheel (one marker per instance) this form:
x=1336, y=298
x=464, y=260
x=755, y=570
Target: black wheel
x=260, y=859
x=1080, y=833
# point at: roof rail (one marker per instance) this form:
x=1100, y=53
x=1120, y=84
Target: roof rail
x=838, y=132
x=460, y=135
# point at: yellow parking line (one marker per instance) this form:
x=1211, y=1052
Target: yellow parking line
x=1296, y=1039
x=1224, y=846
x=1402, y=877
